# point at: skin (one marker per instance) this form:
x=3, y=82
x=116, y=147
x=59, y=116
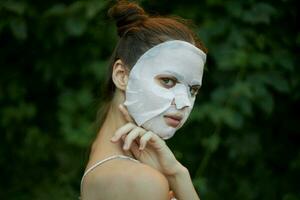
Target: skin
x=165, y=176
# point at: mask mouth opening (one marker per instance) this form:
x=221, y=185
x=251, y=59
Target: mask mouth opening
x=173, y=121
x=175, y=117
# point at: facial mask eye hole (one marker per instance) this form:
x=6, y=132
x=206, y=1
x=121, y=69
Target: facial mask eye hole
x=167, y=82
x=194, y=90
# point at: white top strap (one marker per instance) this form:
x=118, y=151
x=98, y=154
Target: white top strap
x=103, y=161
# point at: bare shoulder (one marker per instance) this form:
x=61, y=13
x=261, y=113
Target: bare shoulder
x=124, y=179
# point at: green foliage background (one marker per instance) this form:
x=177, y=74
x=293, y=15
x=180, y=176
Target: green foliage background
x=242, y=139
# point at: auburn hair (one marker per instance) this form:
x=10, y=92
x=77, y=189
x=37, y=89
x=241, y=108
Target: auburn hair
x=138, y=32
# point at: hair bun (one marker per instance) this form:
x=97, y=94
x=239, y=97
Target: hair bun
x=127, y=15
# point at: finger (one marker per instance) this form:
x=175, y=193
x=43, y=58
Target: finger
x=135, y=149
x=122, y=130
x=144, y=139
x=157, y=142
x=131, y=136
x=125, y=113
x=171, y=195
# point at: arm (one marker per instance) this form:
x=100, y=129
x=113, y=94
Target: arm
x=153, y=151
x=182, y=186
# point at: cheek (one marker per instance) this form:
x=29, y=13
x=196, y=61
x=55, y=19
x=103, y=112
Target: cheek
x=186, y=115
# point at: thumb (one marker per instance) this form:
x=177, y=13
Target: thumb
x=135, y=149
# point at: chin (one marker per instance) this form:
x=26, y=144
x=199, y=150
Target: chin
x=158, y=126
x=161, y=129
x=166, y=137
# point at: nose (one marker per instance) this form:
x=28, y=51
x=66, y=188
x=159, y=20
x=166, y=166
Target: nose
x=181, y=101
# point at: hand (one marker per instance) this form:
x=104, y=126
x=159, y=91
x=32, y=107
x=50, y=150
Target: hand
x=146, y=146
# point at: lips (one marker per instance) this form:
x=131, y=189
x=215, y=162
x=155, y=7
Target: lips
x=173, y=120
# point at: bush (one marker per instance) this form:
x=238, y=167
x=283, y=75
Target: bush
x=242, y=139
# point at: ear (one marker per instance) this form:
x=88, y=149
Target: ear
x=120, y=75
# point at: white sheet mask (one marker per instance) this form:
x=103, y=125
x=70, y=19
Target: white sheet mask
x=148, y=101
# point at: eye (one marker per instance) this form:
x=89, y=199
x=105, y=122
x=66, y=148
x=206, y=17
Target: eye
x=167, y=82
x=194, y=90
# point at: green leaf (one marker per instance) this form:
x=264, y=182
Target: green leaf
x=75, y=25
x=263, y=98
x=290, y=196
x=94, y=8
x=220, y=94
x=19, y=28
x=241, y=88
x=212, y=142
x=259, y=13
x=56, y=10
x=201, y=185
x=278, y=82
x=15, y=7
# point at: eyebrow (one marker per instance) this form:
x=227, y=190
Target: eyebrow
x=180, y=77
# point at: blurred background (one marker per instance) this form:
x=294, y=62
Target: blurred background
x=241, y=141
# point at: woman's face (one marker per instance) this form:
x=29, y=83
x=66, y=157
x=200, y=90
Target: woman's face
x=162, y=86
x=177, y=114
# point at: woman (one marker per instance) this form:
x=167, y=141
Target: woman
x=155, y=73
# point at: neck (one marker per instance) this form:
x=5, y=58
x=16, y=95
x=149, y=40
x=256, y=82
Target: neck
x=113, y=121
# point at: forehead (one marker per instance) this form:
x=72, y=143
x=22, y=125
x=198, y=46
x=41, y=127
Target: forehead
x=184, y=64
x=176, y=57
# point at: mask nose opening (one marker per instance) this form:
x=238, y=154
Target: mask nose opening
x=182, y=101
x=181, y=98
